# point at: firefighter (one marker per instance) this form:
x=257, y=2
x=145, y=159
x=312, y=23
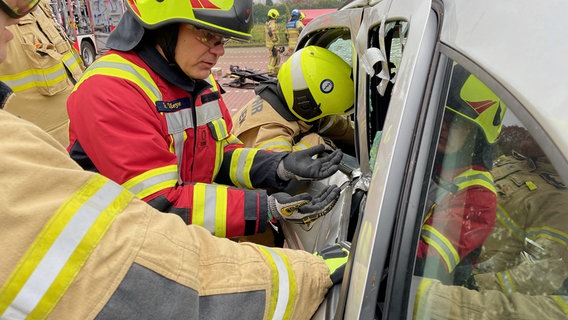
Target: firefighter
x=294, y=27
x=149, y=115
x=462, y=198
x=79, y=246
x=529, y=238
x=272, y=40
x=41, y=67
x=296, y=111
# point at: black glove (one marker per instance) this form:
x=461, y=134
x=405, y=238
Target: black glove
x=302, y=165
x=302, y=208
x=335, y=257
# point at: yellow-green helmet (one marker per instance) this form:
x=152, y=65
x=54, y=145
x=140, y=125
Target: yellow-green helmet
x=471, y=99
x=273, y=14
x=231, y=18
x=316, y=82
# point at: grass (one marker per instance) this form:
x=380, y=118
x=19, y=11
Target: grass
x=257, y=38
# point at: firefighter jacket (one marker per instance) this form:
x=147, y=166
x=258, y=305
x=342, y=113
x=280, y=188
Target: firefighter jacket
x=166, y=137
x=461, y=216
x=265, y=122
x=293, y=29
x=41, y=67
x=530, y=238
x=271, y=33
x=76, y=245
x=433, y=300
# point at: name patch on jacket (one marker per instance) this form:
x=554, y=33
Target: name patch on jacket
x=175, y=105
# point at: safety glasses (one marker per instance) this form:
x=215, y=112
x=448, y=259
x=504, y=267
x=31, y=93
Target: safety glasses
x=18, y=8
x=208, y=38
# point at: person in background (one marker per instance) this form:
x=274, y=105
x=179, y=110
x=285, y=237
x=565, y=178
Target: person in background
x=272, y=40
x=80, y=246
x=307, y=105
x=150, y=116
x=293, y=29
x=41, y=68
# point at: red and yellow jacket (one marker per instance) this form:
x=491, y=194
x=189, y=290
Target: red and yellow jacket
x=169, y=144
x=461, y=218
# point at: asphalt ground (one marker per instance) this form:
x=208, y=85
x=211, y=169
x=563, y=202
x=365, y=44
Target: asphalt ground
x=254, y=59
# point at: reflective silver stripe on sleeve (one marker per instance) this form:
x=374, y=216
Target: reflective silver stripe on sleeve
x=283, y=283
x=70, y=235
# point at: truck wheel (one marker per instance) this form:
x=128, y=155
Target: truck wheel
x=88, y=53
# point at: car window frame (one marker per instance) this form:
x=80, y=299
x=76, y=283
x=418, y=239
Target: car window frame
x=377, y=224
x=398, y=301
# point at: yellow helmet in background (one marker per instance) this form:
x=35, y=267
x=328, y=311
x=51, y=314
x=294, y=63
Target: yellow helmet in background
x=471, y=99
x=302, y=16
x=316, y=83
x=273, y=14
x=231, y=18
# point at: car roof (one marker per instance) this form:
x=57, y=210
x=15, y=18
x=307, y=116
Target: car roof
x=522, y=44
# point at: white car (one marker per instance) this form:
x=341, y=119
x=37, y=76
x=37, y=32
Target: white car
x=425, y=244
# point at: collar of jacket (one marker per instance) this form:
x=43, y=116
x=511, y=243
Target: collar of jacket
x=270, y=92
x=171, y=72
x=5, y=93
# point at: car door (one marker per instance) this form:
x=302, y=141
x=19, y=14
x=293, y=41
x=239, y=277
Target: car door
x=366, y=26
x=477, y=232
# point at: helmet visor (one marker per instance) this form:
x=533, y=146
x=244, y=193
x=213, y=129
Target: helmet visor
x=18, y=8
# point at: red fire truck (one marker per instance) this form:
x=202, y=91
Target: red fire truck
x=88, y=23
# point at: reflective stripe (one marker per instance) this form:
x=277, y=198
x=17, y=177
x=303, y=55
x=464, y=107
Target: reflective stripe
x=71, y=59
x=550, y=234
x=276, y=144
x=531, y=233
x=55, y=258
x=421, y=299
x=208, y=112
x=218, y=129
x=177, y=123
x=241, y=164
x=444, y=247
x=506, y=282
x=330, y=121
x=284, y=290
x=509, y=223
x=212, y=82
x=152, y=181
x=181, y=120
x=209, y=208
x=232, y=139
x=31, y=78
x=45, y=77
x=562, y=302
x=298, y=79
x=473, y=177
x=301, y=146
x=114, y=65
